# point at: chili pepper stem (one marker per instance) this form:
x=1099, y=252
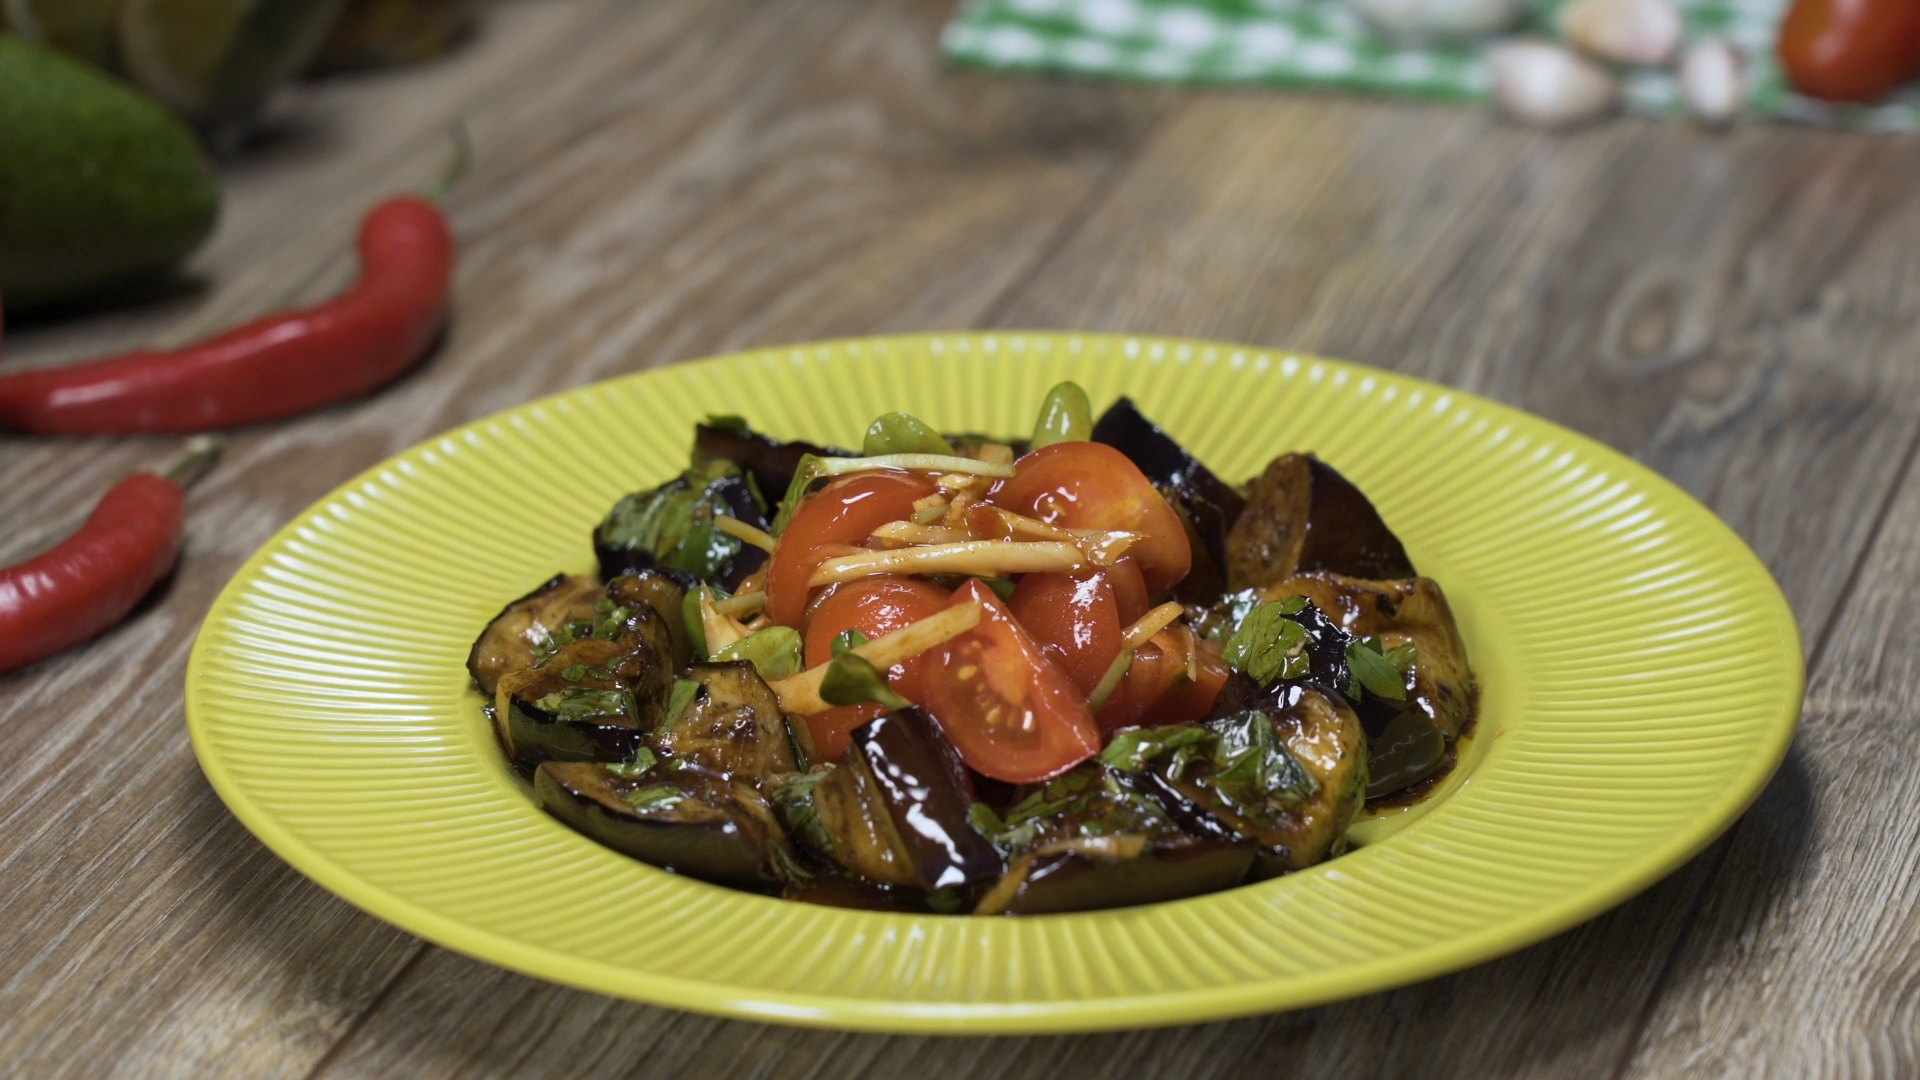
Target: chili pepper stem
x=200, y=452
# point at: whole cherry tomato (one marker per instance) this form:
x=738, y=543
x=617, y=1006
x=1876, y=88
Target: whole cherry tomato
x=1075, y=620
x=1003, y=705
x=1084, y=485
x=873, y=606
x=1850, y=50
x=1156, y=690
x=845, y=512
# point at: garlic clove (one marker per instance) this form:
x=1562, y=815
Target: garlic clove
x=1713, y=81
x=1548, y=86
x=1644, y=33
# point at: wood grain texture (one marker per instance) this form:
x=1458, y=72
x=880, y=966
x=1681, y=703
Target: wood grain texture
x=657, y=181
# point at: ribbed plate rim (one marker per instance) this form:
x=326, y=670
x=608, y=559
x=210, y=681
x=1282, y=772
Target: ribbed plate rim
x=1175, y=1007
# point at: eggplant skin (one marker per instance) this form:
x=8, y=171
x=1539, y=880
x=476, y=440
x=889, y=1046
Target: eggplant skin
x=664, y=595
x=697, y=825
x=925, y=790
x=1092, y=873
x=768, y=460
x=1207, y=505
x=1410, y=610
x=512, y=638
x=1302, y=516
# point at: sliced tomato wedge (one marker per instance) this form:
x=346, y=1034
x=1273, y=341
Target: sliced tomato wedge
x=874, y=606
x=843, y=513
x=1085, y=485
x=1156, y=689
x=1074, y=618
x=1010, y=712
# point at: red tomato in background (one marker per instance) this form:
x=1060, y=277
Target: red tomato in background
x=874, y=606
x=1850, y=50
x=1155, y=690
x=844, y=512
x=1075, y=620
x=1003, y=705
x=1084, y=485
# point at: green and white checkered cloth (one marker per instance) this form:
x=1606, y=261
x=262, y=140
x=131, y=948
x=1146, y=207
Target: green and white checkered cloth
x=1326, y=43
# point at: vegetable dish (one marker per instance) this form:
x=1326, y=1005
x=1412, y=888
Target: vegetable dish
x=966, y=674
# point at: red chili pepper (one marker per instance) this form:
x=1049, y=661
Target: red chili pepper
x=93, y=578
x=272, y=367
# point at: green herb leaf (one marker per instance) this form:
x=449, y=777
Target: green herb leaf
x=985, y=821
x=900, y=433
x=642, y=763
x=1252, y=767
x=775, y=652
x=673, y=523
x=1065, y=416
x=684, y=691
x=793, y=798
x=1237, y=606
x=574, y=672
x=1269, y=646
x=654, y=797
x=579, y=703
x=1373, y=671
x=804, y=475
x=848, y=640
x=1130, y=750
x=1002, y=587
x=852, y=679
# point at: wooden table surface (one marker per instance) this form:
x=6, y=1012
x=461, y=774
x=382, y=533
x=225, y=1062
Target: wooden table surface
x=657, y=181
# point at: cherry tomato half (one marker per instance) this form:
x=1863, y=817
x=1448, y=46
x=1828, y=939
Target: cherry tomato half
x=1156, y=690
x=1003, y=705
x=846, y=511
x=1075, y=620
x=873, y=606
x=1084, y=485
x=1850, y=50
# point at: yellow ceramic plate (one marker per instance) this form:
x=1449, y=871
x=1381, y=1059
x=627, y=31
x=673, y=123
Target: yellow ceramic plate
x=1642, y=677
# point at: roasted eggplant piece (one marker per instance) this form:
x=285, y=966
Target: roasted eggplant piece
x=894, y=809
x=671, y=527
x=1207, y=505
x=1303, y=517
x=1093, y=838
x=1094, y=872
x=528, y=630
x=1407, y=611
x=593, y=700
x=837, y=813
x=732, y=727
x=665, y=596
x=924, y=788
x=686, y=821
x=770, y=462
x=1289, y=775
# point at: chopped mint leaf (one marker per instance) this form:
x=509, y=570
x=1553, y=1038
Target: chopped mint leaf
x=642, y=763
x=1131, y=749
x=1269, y=646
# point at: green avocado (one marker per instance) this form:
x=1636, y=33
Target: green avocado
x=99, y=186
